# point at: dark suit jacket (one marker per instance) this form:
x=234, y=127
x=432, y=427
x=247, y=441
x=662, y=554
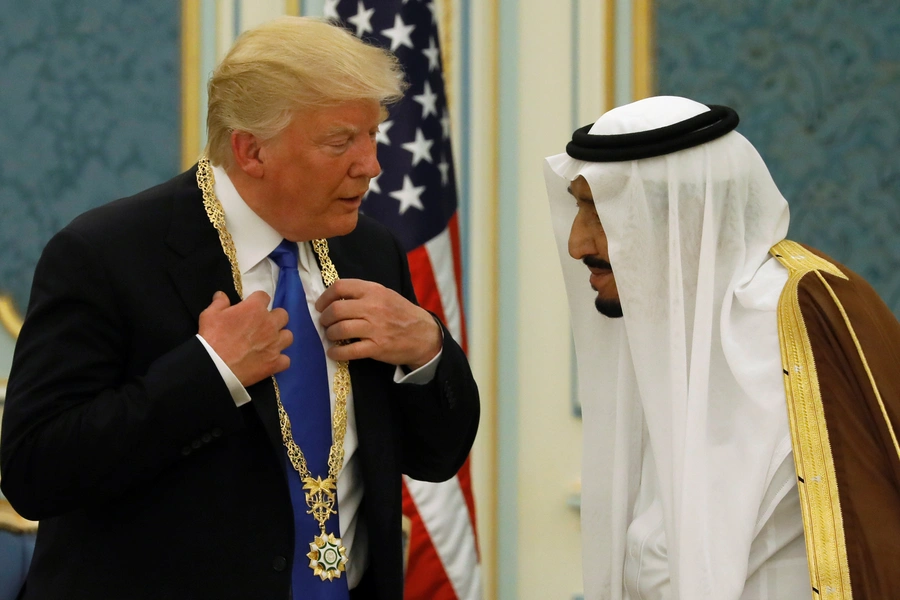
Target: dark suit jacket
x=121, y=438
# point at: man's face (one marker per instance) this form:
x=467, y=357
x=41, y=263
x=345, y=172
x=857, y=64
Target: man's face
x=587, y=243
x=317, y=170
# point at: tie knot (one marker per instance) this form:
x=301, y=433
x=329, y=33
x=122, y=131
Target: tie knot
x=285, y=255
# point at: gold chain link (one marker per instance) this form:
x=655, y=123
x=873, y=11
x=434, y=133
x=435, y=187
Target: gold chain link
x=321, y=495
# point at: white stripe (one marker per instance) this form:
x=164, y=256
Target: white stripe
x=440, y=253
x=445, y=515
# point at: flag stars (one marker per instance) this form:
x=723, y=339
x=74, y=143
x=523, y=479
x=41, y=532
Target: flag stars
x=428, y=99
x=330, y=9
x=362, y=19
x=430, y=166
x=382, y=135
x=409, y=195
x=399, y=34
x=433, y=54
x=420, y=148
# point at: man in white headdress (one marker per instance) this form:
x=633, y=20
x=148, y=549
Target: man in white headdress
x=739, y=390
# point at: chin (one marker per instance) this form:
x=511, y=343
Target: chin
x=335, y=227
x=338, y=227
x=347, y=224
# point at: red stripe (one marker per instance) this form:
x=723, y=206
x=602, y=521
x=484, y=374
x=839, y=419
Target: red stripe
x=424, y=283
x=453, y=226
x=425, y=575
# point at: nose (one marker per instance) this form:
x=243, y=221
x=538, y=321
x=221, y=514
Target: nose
x=366, y=164
x=581, y=240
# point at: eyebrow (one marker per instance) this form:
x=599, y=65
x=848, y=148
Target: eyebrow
x=341, y=130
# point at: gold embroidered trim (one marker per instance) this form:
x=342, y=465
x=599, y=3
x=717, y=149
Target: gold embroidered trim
x=823, y=524
x=206, y=181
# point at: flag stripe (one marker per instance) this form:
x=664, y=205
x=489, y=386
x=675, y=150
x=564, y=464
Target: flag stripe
x=440, y=252
x=434, y=502
x=424, y=282
x=443, y=506
x=425, y=574
x=453, y=227
x=464, y=476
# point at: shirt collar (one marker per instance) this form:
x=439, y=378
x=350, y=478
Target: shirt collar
x=254, y=239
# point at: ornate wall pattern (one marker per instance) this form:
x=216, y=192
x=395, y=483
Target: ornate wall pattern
x=817, y=85
x=89, y=93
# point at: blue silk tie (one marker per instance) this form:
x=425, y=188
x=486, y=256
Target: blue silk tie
x=304, y=389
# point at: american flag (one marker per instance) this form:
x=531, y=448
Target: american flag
x=415, y=196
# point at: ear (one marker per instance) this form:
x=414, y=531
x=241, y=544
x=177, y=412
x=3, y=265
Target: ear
x=247, y=151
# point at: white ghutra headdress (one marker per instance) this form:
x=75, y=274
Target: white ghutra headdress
x=690, y=212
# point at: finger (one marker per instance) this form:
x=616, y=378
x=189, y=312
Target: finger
x=219, y=302
x=328, y=297
x=348, y=330
x=281, y=364
x=258, y=297
x=354, y=351
x=279, y=317
x=285, y=339
x=342, y=311
x=343, y=289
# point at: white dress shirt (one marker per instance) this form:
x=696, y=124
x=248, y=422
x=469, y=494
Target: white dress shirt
x=254, y=240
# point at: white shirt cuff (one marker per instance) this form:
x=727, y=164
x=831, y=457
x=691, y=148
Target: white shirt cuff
x=422, y=375
x=238, y=392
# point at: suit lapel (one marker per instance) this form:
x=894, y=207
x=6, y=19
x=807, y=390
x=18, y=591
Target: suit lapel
x=199, y=266
x=198, y=269
x=346, y=266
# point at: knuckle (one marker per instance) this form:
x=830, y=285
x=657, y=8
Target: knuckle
x=334, y=332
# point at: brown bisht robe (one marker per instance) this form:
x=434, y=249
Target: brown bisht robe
x=840, y=347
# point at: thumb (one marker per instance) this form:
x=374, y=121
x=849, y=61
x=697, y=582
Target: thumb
x=220, y=301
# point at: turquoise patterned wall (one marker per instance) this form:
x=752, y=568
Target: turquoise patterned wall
x=817, y=85
x=89, y=111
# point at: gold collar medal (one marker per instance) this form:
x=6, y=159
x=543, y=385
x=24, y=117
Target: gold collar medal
x=327, y=557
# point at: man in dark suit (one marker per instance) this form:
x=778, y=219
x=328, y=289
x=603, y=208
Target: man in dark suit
x=143, y=425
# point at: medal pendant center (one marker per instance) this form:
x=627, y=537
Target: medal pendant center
x=327, y=557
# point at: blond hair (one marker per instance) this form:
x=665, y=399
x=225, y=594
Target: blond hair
x=291, y=64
